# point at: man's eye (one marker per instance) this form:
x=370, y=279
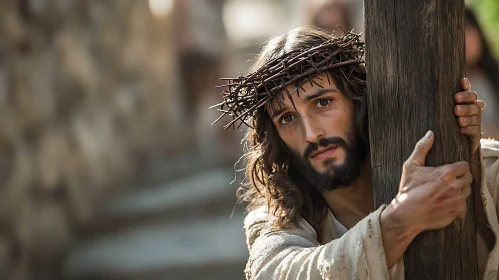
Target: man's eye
x=286, y=119
x=322, y=103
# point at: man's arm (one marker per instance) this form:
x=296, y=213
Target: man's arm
x=429, y=198
x=399, y=229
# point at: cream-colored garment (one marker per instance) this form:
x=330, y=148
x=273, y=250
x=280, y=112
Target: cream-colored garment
x=395, y=272
x=358, y=254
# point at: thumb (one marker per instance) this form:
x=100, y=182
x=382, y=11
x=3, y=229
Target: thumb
x=421, y=150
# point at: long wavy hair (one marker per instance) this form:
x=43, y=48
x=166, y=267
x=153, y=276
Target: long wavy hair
x=271, y=179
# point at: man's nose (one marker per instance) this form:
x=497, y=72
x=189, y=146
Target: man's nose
x=313, y=131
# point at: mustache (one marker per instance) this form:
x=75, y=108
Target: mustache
x=323, y=142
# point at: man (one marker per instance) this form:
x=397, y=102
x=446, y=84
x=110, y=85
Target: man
x=309, y=183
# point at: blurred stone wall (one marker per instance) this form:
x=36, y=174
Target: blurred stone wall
x=85, y=96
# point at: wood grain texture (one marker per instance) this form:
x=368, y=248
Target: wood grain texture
x=414, y=59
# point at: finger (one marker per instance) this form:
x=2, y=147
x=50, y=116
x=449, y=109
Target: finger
x=465, y=180
x=465, y=84
x=475, y=120
x=465, y=96
x=466, y=191
x=454, y=202
x=423, y=146
x=455, y=195
x=457, y=186
x=449, y=172
x=480, y=104
x=451, y=193
x=464, y=110
x=472, y=130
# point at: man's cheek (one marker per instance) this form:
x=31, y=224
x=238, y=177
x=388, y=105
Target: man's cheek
x=342, y=156
x=321, y=166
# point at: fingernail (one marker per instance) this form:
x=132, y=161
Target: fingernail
x=428, y=134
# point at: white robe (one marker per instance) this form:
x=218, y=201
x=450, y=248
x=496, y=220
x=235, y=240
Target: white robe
x=357, y=254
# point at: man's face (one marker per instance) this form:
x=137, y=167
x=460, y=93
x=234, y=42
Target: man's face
x=320, y=135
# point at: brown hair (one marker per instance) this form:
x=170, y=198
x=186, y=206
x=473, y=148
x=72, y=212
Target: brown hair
x=271, y=179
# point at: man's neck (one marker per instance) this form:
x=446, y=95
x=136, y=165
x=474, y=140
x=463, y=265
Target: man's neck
x=350, y=205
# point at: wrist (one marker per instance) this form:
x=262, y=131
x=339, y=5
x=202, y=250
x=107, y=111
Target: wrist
x=396, y=234
x=397, y=227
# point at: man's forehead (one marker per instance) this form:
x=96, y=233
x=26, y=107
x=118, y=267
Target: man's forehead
x=297, y=93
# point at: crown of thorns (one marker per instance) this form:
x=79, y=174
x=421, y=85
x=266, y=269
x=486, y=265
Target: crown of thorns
x=243, y=95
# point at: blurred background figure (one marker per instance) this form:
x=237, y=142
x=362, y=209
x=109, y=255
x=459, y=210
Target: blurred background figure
x=331, y=15
x=200, y=46
x=109, y=167
x=482, y=69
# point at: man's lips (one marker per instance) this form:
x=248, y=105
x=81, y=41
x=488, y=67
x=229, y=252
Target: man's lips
x=325, y=152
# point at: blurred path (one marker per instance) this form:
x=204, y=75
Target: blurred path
x=179, y=229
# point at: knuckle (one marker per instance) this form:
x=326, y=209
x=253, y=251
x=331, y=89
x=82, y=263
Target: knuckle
x=467, y=192
x=447, y=174
x=461, y=109
x=455, y=188
x=419, y=145
x=443, y=178
x=465, y=164
x=462, y=121
x=467, y=109
x=476, y=109
x=469, y=179
x=462, y=166
x=406, y=165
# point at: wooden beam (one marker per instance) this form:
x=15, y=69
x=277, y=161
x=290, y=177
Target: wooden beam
x=414, y=58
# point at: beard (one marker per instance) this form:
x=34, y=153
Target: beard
x=335, y=175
